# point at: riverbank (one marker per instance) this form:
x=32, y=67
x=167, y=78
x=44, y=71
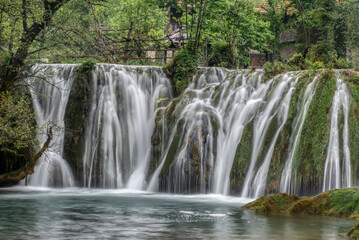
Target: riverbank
x=343, y=203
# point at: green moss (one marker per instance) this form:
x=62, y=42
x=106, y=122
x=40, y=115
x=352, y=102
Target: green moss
x=318, y=205
x=170, y=155
x=75, y=120
x=311, y=153
x=353, y=233
x=352, y=79
x=345, y=202
x=281, y=149
x=275, y=203
x=336, y=203
x=242, y=158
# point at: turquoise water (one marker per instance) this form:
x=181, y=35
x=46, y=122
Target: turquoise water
x=109, y=214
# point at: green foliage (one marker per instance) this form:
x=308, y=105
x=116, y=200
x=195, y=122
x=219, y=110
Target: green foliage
x=298, y=61
x=238, y=23
x=222, y=55
x=318, y=65
x=342, y=63
x=17, y=124
x=4, y=60
x=87, y=66
x=348, y=10
x=182, y=68
x=273, y=69
x=345, y=202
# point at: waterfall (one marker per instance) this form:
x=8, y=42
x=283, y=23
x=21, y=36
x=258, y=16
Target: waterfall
x=120, y=125
x=222, y=135
x=237, y=108
x=50, y=90
x=337, y=172
x=278, y=104
x=286, y=184
x=193, y=137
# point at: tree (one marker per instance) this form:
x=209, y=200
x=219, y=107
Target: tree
x=18, y=135
x=24, y=20
x=239, y=24
x=348, y=27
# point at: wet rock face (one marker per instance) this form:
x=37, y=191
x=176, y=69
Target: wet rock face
x=75, y=121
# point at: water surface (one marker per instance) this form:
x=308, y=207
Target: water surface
x=119, y=214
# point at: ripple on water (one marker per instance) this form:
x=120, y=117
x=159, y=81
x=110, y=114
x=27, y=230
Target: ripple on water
x=29, y=213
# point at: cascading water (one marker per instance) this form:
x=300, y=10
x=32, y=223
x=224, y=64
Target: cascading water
x=286, y=184
x=259, y=181
x=237, y=107
x=337, y=172
x=50, y=100
x=210, y=118
x=192, y=138
x=278, y=104
x=120, y=125
x=219, y=136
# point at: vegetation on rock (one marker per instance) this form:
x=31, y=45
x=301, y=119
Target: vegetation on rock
x=182, y=68
x=334, y=203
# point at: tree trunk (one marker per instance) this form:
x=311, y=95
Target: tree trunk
x=128, y=40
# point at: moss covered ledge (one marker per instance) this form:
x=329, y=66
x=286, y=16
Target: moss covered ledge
x=335, y=203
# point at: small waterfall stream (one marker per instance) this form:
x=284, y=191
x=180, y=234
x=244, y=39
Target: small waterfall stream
x=337, y=172
x=50, y=100
x=137, y=136
x=286, y=184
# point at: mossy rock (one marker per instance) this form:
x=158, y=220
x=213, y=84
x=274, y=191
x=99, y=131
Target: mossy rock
x=318, y=205
x=275, y=203
x=242, y=159
x=77, y=111
x=336, y=203
x=353, y=233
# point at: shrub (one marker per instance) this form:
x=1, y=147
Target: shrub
x=318, y=65
x=222, y=55
x=298, y=62
x=272, y=69
x=87, y=66
x=343, y=63
x=17, y=123
x=182, y=68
